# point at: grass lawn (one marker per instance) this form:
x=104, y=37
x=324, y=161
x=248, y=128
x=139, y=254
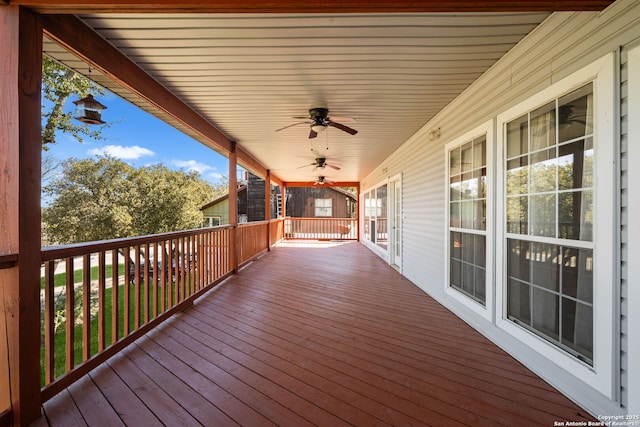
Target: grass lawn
x=60, y=278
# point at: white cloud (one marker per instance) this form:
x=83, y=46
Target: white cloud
x=193, y=165
x=121, y=152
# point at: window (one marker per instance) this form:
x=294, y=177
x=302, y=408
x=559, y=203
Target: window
x=549, y=199
x=211, y=221
x=375, y=224
x=556, y=242
x=467, y=228
x=323, y=207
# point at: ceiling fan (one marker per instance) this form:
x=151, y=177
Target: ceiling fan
x=321, y=180
x=320, y=163
x=319, y=120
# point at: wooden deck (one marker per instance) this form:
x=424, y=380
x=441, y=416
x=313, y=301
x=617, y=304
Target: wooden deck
x=312, y=336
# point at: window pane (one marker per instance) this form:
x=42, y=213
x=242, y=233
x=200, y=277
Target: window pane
x=543, y=215
x=483, y=183
x=454, y=214
x=545, y=313
x=575, y=168
x=575, y=114
x=454, y=162
x=467, y=214
x=479, y=249
x=382, y=237
x=543, y=127
x=480, y=218
x=479, y=153
x=466, y=158
x=575, y=215
x=480, y=284
x=467, y=278
x=517, y=137
x=518, y=259
x=517, y=215
x=577, y=327
x=455, y=275
x=467, y=247
x=518, y=176
x=455, y=188
x=456, y=244
x=545, y=265
x=468, y=186
x=543, y=171
x=519, y=300
x=577, y=274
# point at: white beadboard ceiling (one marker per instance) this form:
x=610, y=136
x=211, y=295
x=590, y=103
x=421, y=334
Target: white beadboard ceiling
x=249, y=74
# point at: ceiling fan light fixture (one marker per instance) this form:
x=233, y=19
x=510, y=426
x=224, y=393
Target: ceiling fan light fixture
x=317, y=128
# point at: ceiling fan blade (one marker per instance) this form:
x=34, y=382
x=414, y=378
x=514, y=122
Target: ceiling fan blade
x=307, y=165
x=312, y=134
x=342, y=119
x=332, y=166
x=343, y=128
x=295, y=124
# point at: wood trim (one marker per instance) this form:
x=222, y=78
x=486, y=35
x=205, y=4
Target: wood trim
x=233, y=207
x=296, y=6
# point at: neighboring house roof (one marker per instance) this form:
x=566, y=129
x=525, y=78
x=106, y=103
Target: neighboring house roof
x=221, y=198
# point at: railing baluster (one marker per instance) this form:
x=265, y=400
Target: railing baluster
x=70, y=315
x=126, y=310
x=102, y=284
x=49, y=313
x=137, y=290
x=115, y=293
x=86, y=307
x=145, y=290
x=157, y=270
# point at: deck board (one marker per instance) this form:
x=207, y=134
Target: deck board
x=313, y=336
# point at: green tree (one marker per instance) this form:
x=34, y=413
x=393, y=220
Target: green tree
x=105, y=198
x=58, y=85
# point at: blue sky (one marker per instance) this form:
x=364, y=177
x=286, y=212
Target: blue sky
x=140, y=139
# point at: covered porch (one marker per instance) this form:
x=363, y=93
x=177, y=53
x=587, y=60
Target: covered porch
x=341, y=339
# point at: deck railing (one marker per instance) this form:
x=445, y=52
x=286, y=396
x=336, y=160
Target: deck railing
x=98, y=297
x=321, y=228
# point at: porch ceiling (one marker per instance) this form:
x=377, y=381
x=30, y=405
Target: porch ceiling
x=248, y=74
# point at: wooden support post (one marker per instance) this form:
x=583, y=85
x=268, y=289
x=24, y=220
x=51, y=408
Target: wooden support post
x=233, y=207
x=20, y=157
x=267, y=206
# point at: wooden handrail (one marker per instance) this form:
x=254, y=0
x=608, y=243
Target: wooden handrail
x=321, y=228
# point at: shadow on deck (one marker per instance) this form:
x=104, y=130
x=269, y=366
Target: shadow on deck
x=317, y=335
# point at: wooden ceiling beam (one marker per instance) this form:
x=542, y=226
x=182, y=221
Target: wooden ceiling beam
x=297, y=6
x=326, y=184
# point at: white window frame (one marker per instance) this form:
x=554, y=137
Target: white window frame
x=323, y=208
x=486, y=311
x=600, y=376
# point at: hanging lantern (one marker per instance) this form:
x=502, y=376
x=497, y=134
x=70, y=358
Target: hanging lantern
x=89, y=111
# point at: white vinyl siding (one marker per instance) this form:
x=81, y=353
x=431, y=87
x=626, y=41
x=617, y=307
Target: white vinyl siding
x=630, y=227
